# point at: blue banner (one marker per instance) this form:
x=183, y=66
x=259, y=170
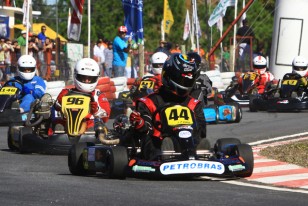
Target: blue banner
x=134, y=19
x=4, y=27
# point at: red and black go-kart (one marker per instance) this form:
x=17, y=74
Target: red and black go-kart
x=239, y=93
x=291, y=96
x=178, y=156
x=34, y=137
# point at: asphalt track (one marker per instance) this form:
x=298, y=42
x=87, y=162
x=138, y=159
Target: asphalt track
x=35, y=179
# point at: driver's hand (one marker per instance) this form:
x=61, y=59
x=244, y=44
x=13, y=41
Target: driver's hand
x=94, y=107
x=136, y=120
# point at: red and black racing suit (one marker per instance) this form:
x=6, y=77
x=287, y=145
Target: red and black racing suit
x=148, y=105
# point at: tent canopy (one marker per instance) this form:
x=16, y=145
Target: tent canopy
x=36, y=28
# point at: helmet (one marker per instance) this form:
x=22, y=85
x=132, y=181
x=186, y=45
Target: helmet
x=299, y=65
x=158, y=59
x=26, y=67
x=180, y=73
x=86, y=75
x=122, y=29
x=259, y=64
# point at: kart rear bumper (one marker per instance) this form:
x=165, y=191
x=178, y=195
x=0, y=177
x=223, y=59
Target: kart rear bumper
x=279, y=104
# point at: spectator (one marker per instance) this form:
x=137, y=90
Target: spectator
x=245, y=33
x=108, y=60
x=47, y=56
x=2, y=58
x=16, y=54
x=176, y=49
x=22, y=42
x=163, y=48
x=120, y=52
x=41, y=36
x=96, y=50
x=8, y=49
x=225, y=59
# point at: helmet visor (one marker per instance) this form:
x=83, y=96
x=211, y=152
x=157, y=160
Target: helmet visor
x=27, y=69
x=300, y=68
x=157, y=65
x=184, y=79
x=259, y=66
x=86, y=79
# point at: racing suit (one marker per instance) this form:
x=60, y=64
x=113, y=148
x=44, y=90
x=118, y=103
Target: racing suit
x=146, y=106
x=262, y=82
x=30, y=90
x=100, y=107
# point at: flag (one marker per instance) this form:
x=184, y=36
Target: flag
x=220, y=24
x=69, y=21
x=244, y=14
x=186, y=26
x=25, y=9
x=168, y=17
x=220, y=11
x=133, y=12
x=198, y=28
x=76, y=20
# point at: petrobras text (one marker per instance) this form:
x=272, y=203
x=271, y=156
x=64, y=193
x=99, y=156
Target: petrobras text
x=192, y=166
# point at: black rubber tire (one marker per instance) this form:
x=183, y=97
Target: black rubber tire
x=252, y=106
x=245, y=151
x=117, y=162
x=217, y=113
x=238, y=111
x=204, y=144
x=10, y=141
x=75, y=160
x=226, y=145
x=169, y=144
x=24, y=131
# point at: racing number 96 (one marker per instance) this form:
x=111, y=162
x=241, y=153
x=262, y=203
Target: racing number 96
x=75, y=100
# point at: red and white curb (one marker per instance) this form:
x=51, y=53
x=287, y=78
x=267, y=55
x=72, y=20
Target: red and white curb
x=277, y=173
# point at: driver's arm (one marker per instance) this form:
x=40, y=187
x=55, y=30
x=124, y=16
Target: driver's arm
x=58, y=103
x=200, y=120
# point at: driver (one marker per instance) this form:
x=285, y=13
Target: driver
x=299, y=66
x=266, y=77
x=32, y=87
x=157, y=59
x=86, y=75
x=179, y=74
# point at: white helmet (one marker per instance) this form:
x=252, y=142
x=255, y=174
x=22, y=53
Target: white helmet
x=26, y=67
x=299, y=65
x=158, y=59
x=86, y=74
x=259, y=64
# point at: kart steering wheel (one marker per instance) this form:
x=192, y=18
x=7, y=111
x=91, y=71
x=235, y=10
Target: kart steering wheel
x=13, y=80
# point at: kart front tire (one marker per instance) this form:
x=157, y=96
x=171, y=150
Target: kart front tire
x=252, y=106
x=24, y=131
x=245, y=151
x=117, y=162
x=226, y=145
x=10, y=140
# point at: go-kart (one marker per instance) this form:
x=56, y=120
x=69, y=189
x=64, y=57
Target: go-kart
x=125, y=102
x=223, y=113
x=289, y=97
x=239, y=93
x=9, y=104
x=178, y=155
x=34, y=136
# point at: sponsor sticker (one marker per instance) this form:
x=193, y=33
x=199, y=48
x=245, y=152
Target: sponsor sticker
x=192, y=166
x=184, y=134
x=146, y=169
x=234, y=168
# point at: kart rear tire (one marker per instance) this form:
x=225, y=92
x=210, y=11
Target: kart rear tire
x=204, y=144
x=23, y=131
x=245, y=151
x=117, y=162
x=75, y=160
x=226, y=145
x=10, y=140
x=238, y=111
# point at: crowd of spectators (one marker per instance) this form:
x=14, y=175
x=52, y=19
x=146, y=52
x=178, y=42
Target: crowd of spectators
x=40, y=47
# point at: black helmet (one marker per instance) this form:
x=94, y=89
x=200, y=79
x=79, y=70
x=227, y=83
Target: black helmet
x=180, y=73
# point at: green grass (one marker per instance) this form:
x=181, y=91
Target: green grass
x=294, y=153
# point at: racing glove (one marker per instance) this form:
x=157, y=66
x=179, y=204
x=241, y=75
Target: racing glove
x=136, y=120
x=28, y=89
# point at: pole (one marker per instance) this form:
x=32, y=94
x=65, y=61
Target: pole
x=234, y=37
x=196, y=25
x=27, y=26
x=89, y=27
